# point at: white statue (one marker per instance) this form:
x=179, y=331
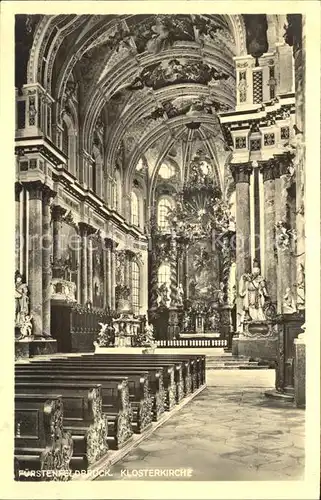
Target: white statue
x=163, y=295
x=21, y=300
x=254, y=294
x=289, y=306
x=26, y=327
x=180, y=295
x=221, y=294
x=300, y=288
x=149, y=334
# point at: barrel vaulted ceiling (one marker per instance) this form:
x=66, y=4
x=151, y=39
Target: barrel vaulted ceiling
x=154, y=83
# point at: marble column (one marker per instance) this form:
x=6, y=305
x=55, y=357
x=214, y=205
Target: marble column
x=35, y=190
x=48, y=194
x=241, y=173
x=144, y=282
x=18, y=189
x=57, y=214
x=126, y=268
x=295, y=37
x=270, y=274
x=108, y=266
x=226, y=261
x=153, y=264
x=282, y=163
x=113, y=276
x=83, y=231
x=89, y=270
x=299, y=161
x=128, y=273
x=173, y=264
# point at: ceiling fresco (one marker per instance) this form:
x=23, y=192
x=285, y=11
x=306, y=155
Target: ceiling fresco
x=157, y=82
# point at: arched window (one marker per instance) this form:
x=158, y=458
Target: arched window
x=166, y=171
x=94, y=176
x=134, y=209
x=163, y=210
x=65, y=139
x=135, y=287
x=69, y=143
x=164, y=274
x=117, y=192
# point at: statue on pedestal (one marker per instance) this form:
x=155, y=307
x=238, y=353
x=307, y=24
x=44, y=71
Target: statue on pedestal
x=26, y=327
x=214, y=321
x=289, y=306
x=106, y=335
x=22, y=318
x=187, y=321
x=180, y=295
x=163, y=299
x=221, y=294
x=149, y=335
x=300, y=289
x=254, y=294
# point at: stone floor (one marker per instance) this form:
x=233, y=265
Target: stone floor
x=230, y=432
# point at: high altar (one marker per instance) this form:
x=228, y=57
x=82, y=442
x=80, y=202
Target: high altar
x=197, y=300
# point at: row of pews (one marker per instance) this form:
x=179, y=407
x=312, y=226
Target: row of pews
x=70, y=411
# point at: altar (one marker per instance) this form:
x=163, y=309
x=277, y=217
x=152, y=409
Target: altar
x=192, y=259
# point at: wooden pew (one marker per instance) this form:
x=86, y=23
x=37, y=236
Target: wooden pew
x=173, y=379
x=41, y=443
x=155, y=384
x=83, y=416
x=138, y=384
x=197, y=366
x=168, y=371
x=146, y=361
x=198, y=373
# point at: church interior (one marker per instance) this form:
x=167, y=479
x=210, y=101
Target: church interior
x=159, y=224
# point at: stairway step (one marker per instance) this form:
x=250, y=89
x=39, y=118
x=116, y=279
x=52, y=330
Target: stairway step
x=224, y=367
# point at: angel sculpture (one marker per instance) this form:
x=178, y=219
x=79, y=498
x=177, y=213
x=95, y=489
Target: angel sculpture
x=26, y=327
x=289, y=306
x=102, y=337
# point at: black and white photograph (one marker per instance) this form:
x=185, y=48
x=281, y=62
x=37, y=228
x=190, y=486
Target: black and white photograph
x=161, y=317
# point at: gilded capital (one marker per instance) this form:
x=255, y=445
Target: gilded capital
x=48, y=194
x=17, y=190
x=35, y=190
x=241, y=172
x=283, y=162
x=85, y=229
x=57, y=213
x=268, y=169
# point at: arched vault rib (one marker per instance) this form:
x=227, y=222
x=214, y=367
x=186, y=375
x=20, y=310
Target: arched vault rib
x=124, y=73
x=155, y=134
x=135, y=112
x=168, y=145
x=40, y=38
x=79, y=50
x=210, y=146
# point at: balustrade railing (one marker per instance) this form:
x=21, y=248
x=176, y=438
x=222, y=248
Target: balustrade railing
x=192, y=343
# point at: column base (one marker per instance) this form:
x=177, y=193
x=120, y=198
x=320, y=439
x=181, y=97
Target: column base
x=43, y=346
x=281, y=396
x=27, y=348
x=256, y=348
x=299, y=371
x=21, y=349
x=225, y=321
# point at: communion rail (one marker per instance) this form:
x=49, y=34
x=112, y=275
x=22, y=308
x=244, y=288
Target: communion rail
x=192, y=343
